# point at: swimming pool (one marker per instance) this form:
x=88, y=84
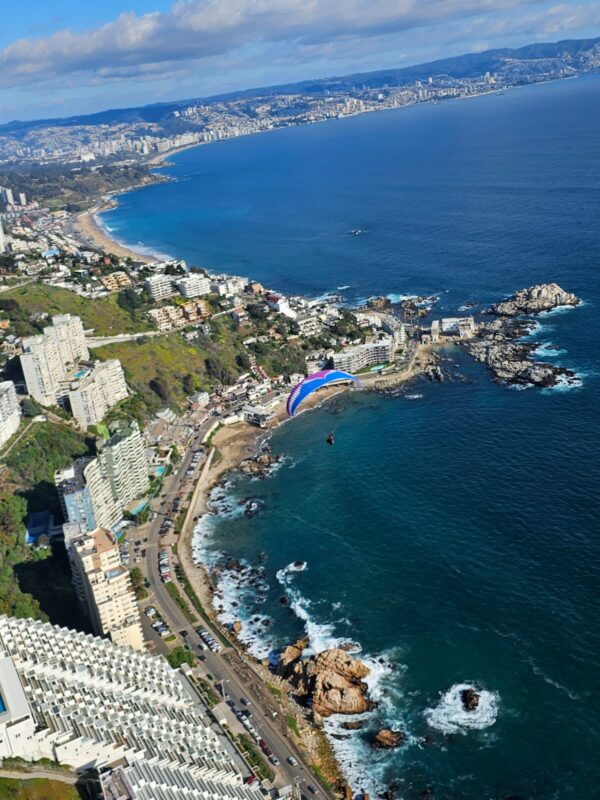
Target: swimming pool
x=2, y=705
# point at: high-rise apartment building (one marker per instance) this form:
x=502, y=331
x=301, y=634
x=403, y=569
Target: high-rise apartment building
x=97, y=392
x=124, y=462
x=160, y=286
x=86, y=495
x=47, y=358
x=193, y=285
x=104, y=589
x=10, y=411
x=2, y=239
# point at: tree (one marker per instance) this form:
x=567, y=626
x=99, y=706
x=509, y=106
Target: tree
x=30, y=408
x=159, y=386
x=179, y=655
x=243, y=361
x=128, y=299
x=219, y=371
x=189, y=384
x=138, y=584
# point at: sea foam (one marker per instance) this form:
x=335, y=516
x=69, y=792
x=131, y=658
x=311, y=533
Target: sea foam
x=450, y=715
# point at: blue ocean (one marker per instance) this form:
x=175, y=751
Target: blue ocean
x=451, y=533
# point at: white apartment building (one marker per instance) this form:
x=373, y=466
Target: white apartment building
x=193, y=285
x=97, y=392
x=86, y=496
x=124, y=462
x=2, y=239
x=365, y=355
x=10, y=411
x=160, y=286
x=104, y=589
x=47, y=358
x=87, y=703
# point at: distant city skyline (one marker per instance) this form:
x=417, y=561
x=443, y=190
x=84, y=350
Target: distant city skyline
x=67, y=57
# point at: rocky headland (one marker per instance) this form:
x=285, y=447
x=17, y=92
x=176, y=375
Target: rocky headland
x=332, y=682
x=499, y=342
x=534, y=300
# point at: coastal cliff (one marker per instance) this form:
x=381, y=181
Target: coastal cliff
x=331, y=682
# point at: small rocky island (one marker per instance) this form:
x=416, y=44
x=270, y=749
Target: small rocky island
x=332, y=682
x=534, y=300
x=499, y=342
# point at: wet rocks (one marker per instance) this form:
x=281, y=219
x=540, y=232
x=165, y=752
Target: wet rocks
x=387, y=739
x=331, y=682
x=356, y=725
x=470, y=699
x=259, y=466
x=498, y=346
x=534, y=300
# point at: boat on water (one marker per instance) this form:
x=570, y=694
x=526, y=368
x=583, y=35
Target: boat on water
x=356, y=232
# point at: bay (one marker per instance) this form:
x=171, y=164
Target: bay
x=453, y=535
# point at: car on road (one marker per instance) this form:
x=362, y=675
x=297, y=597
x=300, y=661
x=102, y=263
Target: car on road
x=201, y=657
x=245, y=701
x=312, y=788
x=291, y=760
x=184, y=633
x=274, y=760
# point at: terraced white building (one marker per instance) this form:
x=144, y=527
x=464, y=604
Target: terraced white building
x=87, y=703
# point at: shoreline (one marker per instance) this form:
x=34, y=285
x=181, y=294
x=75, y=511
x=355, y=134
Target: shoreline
x=234, y=445
x=92, y=232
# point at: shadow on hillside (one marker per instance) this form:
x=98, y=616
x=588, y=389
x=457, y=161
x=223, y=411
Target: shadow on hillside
x=49, y=581
x=42, y=497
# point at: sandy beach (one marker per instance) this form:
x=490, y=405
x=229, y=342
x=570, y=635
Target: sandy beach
x=94, y=234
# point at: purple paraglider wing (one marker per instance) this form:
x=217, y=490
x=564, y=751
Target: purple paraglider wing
x=313, y=382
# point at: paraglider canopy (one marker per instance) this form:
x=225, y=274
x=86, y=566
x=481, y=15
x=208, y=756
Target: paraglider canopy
x=314, y=382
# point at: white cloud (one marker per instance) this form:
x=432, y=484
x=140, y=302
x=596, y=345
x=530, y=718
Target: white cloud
x=196, y=30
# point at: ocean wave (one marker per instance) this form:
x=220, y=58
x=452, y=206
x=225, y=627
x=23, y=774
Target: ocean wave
x=413, y=396
x=565, y=384
x=548, y=350
x=553, y=312
x=450, y=715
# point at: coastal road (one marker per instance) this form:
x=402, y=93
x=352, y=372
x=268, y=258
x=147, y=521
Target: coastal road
x=229, y=676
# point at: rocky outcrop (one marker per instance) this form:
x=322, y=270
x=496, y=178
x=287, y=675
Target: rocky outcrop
x=259, y=466
x=386, y=739
x=355, y=725
x=534, y=300
x=470, y=699
x=331, y=682
x=417, y=306
x=497, y=345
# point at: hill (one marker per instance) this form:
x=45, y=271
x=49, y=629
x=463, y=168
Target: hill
x=519, y=64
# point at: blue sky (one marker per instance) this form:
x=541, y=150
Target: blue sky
x=60, y=57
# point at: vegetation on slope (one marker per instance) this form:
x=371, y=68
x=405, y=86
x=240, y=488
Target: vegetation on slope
x=36, y=789
x=104, y=315
x=164, y=370
x=71, y=189
x=36, y=583
x=14, y=550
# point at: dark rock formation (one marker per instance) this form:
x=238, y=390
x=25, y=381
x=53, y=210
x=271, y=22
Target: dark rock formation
x=470, y=699
x=386, y=739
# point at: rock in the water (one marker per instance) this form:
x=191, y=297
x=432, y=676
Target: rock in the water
x=499, y=346
x=534, y=300
x=353, y=726
x=331, y=682
x=386, y=739
x=470, y=699
x=237, y=626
